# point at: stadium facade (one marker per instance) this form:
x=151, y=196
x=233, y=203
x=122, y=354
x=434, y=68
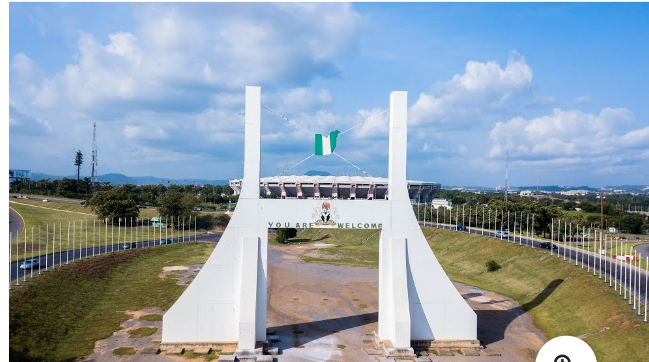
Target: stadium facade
x=336, y=187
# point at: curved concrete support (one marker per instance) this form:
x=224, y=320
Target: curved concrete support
x=226, y=303
x=436, y=310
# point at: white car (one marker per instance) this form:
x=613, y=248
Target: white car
x=46, y=200
x=29, y=264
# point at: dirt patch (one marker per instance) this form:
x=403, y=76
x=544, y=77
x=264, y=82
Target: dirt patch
x=319, y=255
x=121, y=338
x=183, y=274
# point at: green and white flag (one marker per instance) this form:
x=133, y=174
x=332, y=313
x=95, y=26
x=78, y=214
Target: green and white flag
x=325, y=145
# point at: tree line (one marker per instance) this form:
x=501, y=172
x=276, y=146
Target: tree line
x=544, y=211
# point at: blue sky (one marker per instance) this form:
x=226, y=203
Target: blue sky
x=563, y=87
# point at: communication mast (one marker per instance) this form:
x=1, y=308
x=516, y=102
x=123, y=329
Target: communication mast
x=93, y=175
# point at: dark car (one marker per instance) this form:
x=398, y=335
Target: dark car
x=166, y=241
x=141, y=206
x=130, y=246
x=461, y=228
x=548, y=245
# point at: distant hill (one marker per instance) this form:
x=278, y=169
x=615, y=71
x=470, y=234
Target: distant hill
x=316, y=173
x=119, y=179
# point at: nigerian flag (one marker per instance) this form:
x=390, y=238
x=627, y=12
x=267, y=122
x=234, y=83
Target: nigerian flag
x=325, y=145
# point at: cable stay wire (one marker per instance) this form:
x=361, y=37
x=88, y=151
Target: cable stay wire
x=366, y=119
x=358, y=168
x=305, y=130
x=288, y=169
x=286, y=119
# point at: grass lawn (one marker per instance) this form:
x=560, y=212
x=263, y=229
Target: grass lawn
x=151, y=317
x=560, y=298
x=60, y=315
x=142, y=332
x=83, y=227
x=124, y=351
x=352, y=246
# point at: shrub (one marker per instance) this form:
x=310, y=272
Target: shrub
x=284, y=234
x=492, y=265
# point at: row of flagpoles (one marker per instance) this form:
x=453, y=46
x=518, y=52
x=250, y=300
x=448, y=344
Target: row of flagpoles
x=91, y=246
x=622, y=270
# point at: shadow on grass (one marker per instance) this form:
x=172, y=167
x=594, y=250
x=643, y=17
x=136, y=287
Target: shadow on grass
x=493, y=323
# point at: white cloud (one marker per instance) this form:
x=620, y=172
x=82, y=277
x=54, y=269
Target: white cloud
x=376, y=123
x=23, y=66
x=173, y=60
x=464, y=100
x=582, y=100
x=636, y=138
x=150, y=132
x=568, y=137
x=304, y=99
x=175, y=81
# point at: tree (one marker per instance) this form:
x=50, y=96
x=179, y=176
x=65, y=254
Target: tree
x=283, y=234
x=177, y=204
x=78, y=160
x=113, y=204
x=632, y=223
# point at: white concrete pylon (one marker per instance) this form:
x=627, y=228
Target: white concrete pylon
x=226, y=302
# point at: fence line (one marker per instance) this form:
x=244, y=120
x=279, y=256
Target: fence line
x=31, y=262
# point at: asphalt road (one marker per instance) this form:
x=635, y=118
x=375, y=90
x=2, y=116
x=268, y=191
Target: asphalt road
x=40, y=198
x=69, y=256
x=642, y=249
x=16, y=223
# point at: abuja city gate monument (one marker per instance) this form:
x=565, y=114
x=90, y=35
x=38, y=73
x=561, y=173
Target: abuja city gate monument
x=225, y=305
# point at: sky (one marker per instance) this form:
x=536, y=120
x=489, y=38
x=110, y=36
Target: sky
x=562, y=88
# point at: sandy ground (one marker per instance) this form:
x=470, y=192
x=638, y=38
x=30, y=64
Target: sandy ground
x=316, y=309
x=328, y=312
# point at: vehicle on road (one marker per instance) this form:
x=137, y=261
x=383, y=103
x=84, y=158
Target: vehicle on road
x=130, y=246
x=141, y=206
x=199, y=209
x=503, y=234
x=82, y=203
x=46, y=200
x=461, y=228
x=29, y=263
x=13, y=196
x=548, y=245
x=166, y=241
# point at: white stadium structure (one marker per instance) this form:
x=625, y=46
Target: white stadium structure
x=336, y=187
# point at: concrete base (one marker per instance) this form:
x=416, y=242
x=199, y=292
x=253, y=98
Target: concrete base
x=202, y=350
x=222, y=346
x=387, y=349
x=453, y=343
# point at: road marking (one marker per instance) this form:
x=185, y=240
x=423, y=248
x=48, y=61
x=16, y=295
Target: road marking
x=49, y=208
